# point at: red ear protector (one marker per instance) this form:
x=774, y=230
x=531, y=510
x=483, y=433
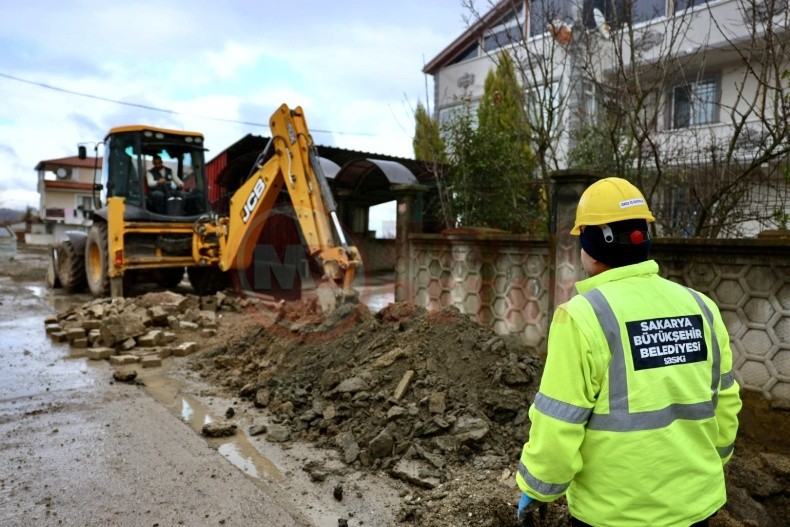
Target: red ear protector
x=626, y=238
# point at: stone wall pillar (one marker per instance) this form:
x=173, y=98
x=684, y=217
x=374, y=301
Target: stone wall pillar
x=565, y=261
x=408, y=220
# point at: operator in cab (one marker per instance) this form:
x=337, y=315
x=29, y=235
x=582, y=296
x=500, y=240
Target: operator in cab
x=162, y=185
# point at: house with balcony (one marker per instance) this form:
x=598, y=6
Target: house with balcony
x=687, y=97
x=65, y=187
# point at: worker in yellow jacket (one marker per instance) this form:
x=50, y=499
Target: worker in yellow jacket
x=637, y=409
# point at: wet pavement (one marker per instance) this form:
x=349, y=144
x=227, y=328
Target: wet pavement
x=76, y=448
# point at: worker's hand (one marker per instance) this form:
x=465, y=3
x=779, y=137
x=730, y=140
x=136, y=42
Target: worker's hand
x=523, y=506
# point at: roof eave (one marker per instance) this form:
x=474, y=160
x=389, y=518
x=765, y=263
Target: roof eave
x=466, y=38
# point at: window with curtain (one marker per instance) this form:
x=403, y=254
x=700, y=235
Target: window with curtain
x=694, y=104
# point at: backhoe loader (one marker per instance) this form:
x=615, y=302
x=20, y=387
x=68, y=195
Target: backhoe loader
x=135, y=234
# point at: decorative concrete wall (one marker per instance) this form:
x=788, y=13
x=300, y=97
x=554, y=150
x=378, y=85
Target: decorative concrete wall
x=750, y=282
x=502, y=280
x=512, y=283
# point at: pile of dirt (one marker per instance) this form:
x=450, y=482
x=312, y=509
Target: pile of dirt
x=433, y=399
x=403, y=384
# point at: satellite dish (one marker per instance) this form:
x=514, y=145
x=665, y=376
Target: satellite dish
x=600, y=23
x=62, y=173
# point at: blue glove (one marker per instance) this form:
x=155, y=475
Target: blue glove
x=522, y=506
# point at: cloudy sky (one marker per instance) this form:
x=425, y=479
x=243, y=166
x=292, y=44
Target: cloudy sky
x=220, y=68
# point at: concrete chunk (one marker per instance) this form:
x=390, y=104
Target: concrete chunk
x=99, y=353
x=75, y=333
x=123, y=360
x=89, y=325
x=97, y=311
x=151, y=361
x=151, y=339
x=58, y=336
x=403, y=385
x=208, y=303
x=158, y=315
x=121, y=327
x=184, y=349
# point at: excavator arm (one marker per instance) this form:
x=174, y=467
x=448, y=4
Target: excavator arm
x=229, y=242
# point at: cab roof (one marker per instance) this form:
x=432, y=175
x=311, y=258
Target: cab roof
x=142, y=128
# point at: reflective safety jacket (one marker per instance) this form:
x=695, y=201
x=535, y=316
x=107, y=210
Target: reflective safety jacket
x=637, y=409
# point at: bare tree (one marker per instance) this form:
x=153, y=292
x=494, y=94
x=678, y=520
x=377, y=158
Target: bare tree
x=686, y=99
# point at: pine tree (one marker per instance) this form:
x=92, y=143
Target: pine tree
x=428, y=144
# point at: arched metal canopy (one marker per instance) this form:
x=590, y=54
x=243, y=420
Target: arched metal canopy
x=367, y=181
x=329, y=167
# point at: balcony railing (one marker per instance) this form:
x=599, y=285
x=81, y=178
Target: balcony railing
x=68, y=216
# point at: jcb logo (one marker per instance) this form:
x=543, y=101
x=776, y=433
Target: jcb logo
x=252, y=200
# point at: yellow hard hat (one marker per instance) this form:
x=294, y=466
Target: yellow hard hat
x=609, y=200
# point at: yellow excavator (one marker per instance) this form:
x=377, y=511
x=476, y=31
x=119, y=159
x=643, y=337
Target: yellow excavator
x=157, y=221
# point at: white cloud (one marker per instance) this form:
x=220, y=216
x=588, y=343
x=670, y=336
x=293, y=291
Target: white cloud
x=355, y=68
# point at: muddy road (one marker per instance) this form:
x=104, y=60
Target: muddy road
x=78, y=448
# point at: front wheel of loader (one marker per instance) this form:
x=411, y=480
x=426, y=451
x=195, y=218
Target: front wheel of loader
x=70, y=267
x=97, y=260
x=207, y=280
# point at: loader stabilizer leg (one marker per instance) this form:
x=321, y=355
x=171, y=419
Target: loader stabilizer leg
x=116, y=287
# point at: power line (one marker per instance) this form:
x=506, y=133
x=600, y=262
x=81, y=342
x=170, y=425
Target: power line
x=155, y=109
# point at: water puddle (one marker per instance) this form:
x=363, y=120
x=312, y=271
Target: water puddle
x=236, y=449
x=38, y=291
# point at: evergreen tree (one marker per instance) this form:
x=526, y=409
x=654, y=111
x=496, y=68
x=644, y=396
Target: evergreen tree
x=428, y=144
x=492, y=180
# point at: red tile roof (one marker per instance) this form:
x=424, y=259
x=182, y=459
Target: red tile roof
x=73, y=161
x=67, y=185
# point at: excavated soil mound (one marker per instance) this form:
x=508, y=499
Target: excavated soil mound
x=436, y=400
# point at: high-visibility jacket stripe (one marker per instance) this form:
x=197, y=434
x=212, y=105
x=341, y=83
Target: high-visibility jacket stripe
x=727, y=380
x=726, y=451
x=716, y=380
x=619, y=418
x=563, y=411
x=548, y=489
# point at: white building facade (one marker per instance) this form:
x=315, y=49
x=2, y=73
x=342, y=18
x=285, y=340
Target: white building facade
x=66, y=190
x=713, y=75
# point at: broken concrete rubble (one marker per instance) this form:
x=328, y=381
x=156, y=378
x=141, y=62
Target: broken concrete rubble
x=220, y=428
x=138, y=330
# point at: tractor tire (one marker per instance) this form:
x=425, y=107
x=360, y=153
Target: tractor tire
x=170, y=277
x=70, y=268
x=207, y=280
x=97, y=260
